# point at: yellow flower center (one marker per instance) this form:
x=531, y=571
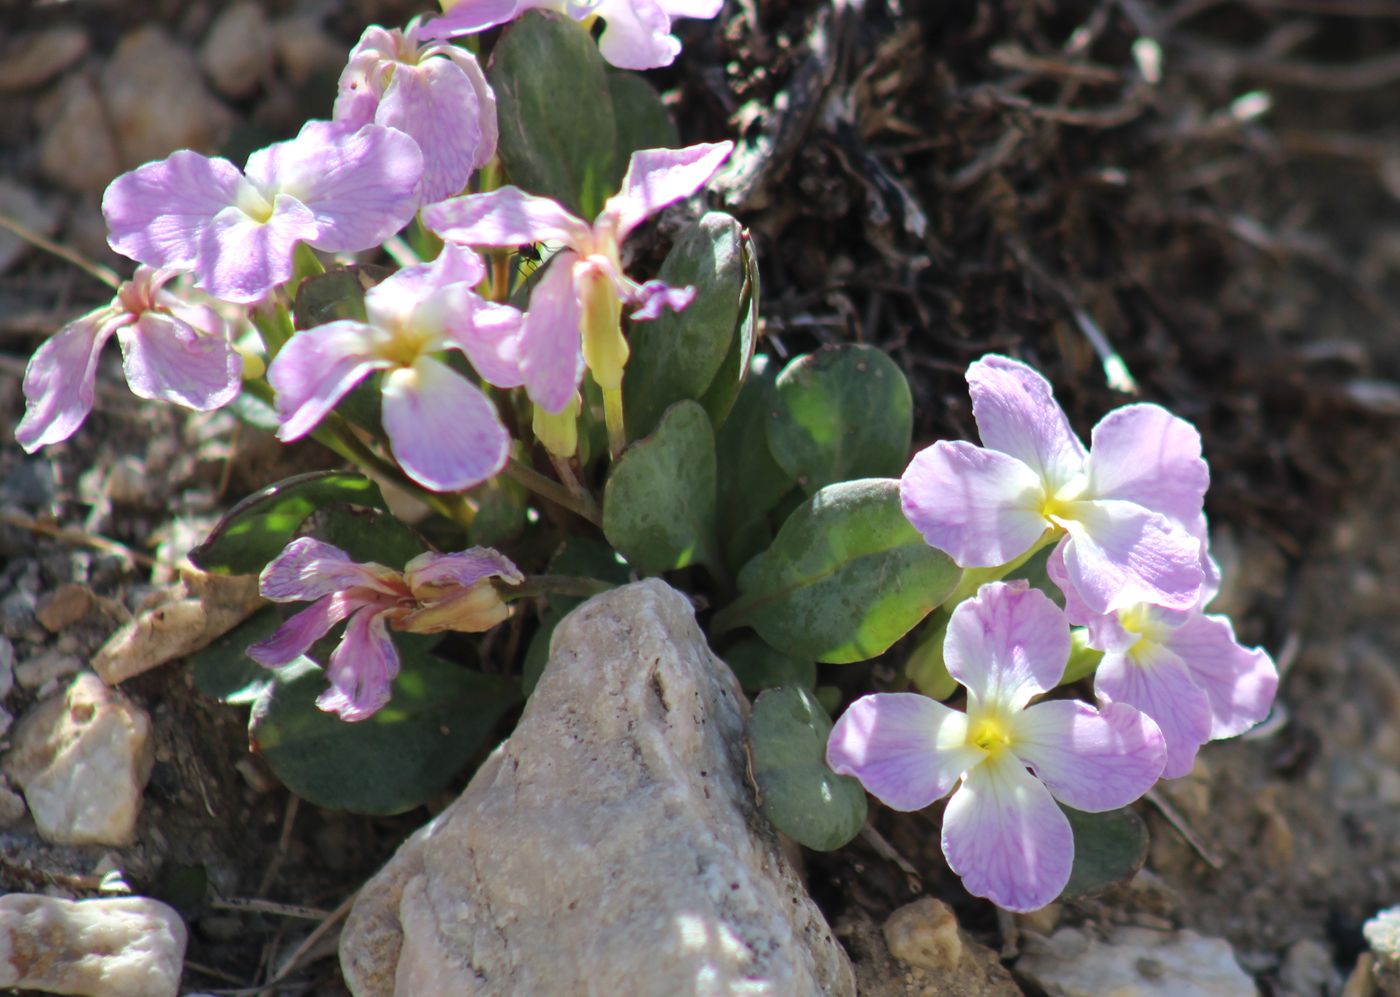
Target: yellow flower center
x=253, y=204
x=1150, y=631
x=990, y=733
x=1059, y=505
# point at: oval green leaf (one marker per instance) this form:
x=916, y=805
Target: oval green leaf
x=751, y=484
x=845, y=578
x=255, y=530
x=797, y=791
x=365, y=534
x=1109, y=848
x=843, y=412
x=758, y=666
x=440, y=715
x=679, y=354
x=558, y=136
x=659, y=502
x=223, y=671
x=642, y=120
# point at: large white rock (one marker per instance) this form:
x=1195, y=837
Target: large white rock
x=124, y=947
x=610, y=846
x=82, y=759
x=1134, y=962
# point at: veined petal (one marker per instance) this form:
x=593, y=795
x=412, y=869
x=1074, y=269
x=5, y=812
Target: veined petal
x=436, y=104
x=485, y=98
x=1016, y=413
x=1105, y=631
x=467, y=17
x=1092, y=760
x=309, y=568
x=636, y=34
x=980, y=507
x=166, y=359
x=407, y=296
x=1006, y=644
x=444, y=432
x=505, y=217
x=1239, y=682
x=658, y=177
x=60, y=379
x=157, y=213
x=241, y=259
x=692, y=8
x=653, y=297
x=1144, y=454
x=488, y=333
x=464, y=568
x=551, y=339
x=1158, y=683
x=295, y=637
x=361, y=669
x=906, y=749
x=1006, y=838
x=361, y=185
x=317, y=368
x=1120, y=554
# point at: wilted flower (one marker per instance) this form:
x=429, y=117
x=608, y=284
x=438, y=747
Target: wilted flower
x=1123, y=511
x=332, y=187
x=171, y=350
x=435, y=93
x=1002, y=830
x=434, y=592
x=637, y=33
x=575, y=309
x=444, y=432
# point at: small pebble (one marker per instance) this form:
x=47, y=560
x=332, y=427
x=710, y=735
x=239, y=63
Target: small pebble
x=32, y=59
x=50, y=665
x=237, y=52
x=64, y=606
x=77, y=149
x=925, y=934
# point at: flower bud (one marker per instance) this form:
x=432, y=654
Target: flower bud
x=604, y=349
x=558, y=431
x=467, y=609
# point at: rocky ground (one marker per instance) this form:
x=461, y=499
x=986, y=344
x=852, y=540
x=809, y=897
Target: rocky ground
x=1210, y=186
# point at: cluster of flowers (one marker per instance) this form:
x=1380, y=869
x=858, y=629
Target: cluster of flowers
x=1132, y=562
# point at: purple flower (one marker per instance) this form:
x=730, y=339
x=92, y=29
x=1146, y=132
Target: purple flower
x=575, y=308
x=333, y=187
x=1123, y=512
x=1002, y=831
x=435, y=93
x=434, y=592
x=1184, y=669
x=171, y=351
x=444, y=432
x=637, y=35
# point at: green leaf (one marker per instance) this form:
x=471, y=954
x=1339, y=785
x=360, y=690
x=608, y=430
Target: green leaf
x=845, y=578
x=659, y=502
x=679, y=354
x=581, y=558
x=500, y=512
x=558, y=136
x=758, y=666
x=843, y=412
x=642, y=120
x=750, y=481
x=1108, y=848
x=926, y=667
x=365, y=534
x=440, y=715
x=223, y=670
x=334, y=295
x=255, y=530
x=798, y=792
x=1083, y=659
x=724, y=388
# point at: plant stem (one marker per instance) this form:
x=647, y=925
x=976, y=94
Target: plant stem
x=558, y=585
x=532, y=480
x=612, y=415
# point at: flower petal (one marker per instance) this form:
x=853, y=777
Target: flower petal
x=1006, y=838
x=658, y=177
x=467, y=17
x=692, y=8
x=980, y=507
x=485, y=98
x=309, y=568
x=636, y=34
x=295, y=637
x=551, y=341
x=1106, y=632
x=1120, y=554
x=406, y=296
x=166, y=359
x=1240, y=682
x=1007, y=643
x=444, y=432
x=488, y=333
x=1016, y=413
x=317, y=368
x=654, y=296
x=241, y=259
x=906, y=749
x=505, y=217
x=1092, y=760
x=436, y=105
x=60, y=379
x=1144, y=454
x=361, y=669
x=1157, y=682
x=361, y=185
x=157, y=213
x=464, y=568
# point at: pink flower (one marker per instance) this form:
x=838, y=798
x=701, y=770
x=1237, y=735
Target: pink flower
x=434, y=592
x=332, y=187
x=637, y=36
x=445, y=433
x=434, y=93
x=171, y=351
x=1002, y=830
x=1182, y=668
x=575, y=308
x=1123, y=511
